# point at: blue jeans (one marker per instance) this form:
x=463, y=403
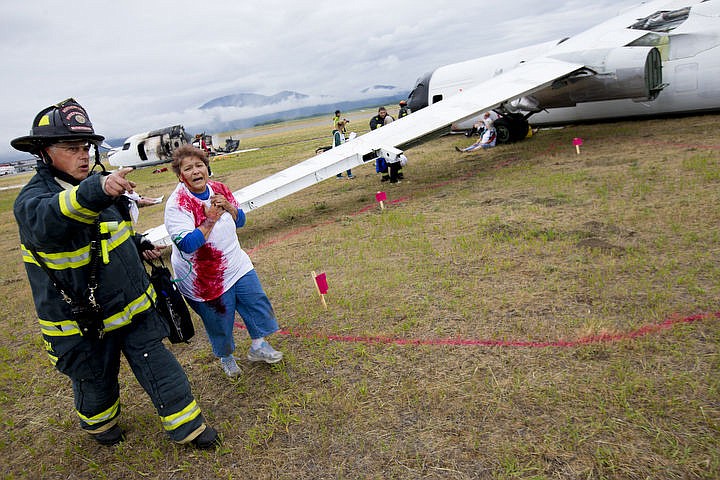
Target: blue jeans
x=248, y=298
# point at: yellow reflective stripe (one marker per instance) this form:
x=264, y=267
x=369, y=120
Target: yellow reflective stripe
x=70, y=207
x=59, y=260
x=187, y=414
x=81, y=256
x=101, y=417
x=63, y=328
x=123, y=317
x=50, y=352
x=124, y=232
x=66, y=328
x=53, y=358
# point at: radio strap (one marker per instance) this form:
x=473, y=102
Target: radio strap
x=65, y=290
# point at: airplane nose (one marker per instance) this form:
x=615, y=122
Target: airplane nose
x=419, y=97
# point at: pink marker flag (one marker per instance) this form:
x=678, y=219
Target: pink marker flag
x=321, y=282
x=577, y=142
x=380, y=197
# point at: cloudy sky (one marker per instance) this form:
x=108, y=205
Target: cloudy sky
x=137, y=65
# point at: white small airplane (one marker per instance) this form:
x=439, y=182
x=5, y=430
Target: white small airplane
x=149, y=148
x=156, y=147
x=660, y=57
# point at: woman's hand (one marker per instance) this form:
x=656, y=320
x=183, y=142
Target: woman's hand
x=223, y=203
x=213, y=212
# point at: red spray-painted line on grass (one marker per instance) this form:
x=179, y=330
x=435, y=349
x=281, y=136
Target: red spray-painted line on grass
x=466, y=342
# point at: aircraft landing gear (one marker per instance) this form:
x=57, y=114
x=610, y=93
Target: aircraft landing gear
x=511, y=128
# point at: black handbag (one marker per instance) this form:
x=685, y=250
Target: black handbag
x=170, y=304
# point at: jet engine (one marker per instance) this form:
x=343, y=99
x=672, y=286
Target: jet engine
x=627, y=72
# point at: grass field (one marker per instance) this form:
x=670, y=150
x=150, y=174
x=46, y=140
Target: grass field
x=522, y=312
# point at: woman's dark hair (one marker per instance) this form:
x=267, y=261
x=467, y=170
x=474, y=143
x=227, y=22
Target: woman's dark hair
x=188, y=151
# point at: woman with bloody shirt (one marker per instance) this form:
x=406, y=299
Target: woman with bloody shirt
x=215, y=274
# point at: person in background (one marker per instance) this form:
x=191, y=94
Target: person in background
x=478, y=127
x=200, y=142
x=339, y=139
x=391, y=171
x=216, y=275
x=404, y=110
x=93, y=307
x=488, y=136
x=382, y=118
x=336, y=119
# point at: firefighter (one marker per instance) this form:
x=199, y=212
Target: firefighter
x=404, y=110
x=95, y=303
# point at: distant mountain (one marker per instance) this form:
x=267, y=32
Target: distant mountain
x=378, y=88
x=252, y=100
x=291, y=105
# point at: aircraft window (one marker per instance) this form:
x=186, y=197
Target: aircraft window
x=677, y=46
x=126, y=146
x=662, y=21
x=649, y=40
x=563, y=40
x=437, y=98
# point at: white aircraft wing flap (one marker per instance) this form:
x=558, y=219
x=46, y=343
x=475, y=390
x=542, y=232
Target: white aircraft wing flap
x=523, y=80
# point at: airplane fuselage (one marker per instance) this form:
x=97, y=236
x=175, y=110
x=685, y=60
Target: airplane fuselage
x=685, y=34
x=149, y=148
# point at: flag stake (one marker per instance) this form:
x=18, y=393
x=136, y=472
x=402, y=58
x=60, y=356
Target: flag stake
x=577, y=142
x=317, y=287
x=380, y=197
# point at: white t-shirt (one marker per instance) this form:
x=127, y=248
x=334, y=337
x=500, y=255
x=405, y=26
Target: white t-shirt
x=213, y=268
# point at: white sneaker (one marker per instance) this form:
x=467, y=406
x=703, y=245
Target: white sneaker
x=230, y=366
x=265, y=353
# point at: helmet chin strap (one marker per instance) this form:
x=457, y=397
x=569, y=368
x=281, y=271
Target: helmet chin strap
x=45, y=156
x=97, y=160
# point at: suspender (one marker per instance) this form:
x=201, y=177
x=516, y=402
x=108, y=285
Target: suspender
x=80, y=308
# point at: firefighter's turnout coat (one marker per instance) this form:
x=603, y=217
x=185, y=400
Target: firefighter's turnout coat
x=58, y=220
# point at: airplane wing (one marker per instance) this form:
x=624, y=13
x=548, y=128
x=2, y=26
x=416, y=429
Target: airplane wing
x=527, y=78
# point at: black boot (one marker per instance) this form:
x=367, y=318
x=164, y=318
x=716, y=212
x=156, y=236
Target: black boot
x=394, y=168
x=110, y=437
x=207, y=439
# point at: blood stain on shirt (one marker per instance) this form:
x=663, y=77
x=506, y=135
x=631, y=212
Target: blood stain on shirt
x=193, y=205
x=209, y=264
